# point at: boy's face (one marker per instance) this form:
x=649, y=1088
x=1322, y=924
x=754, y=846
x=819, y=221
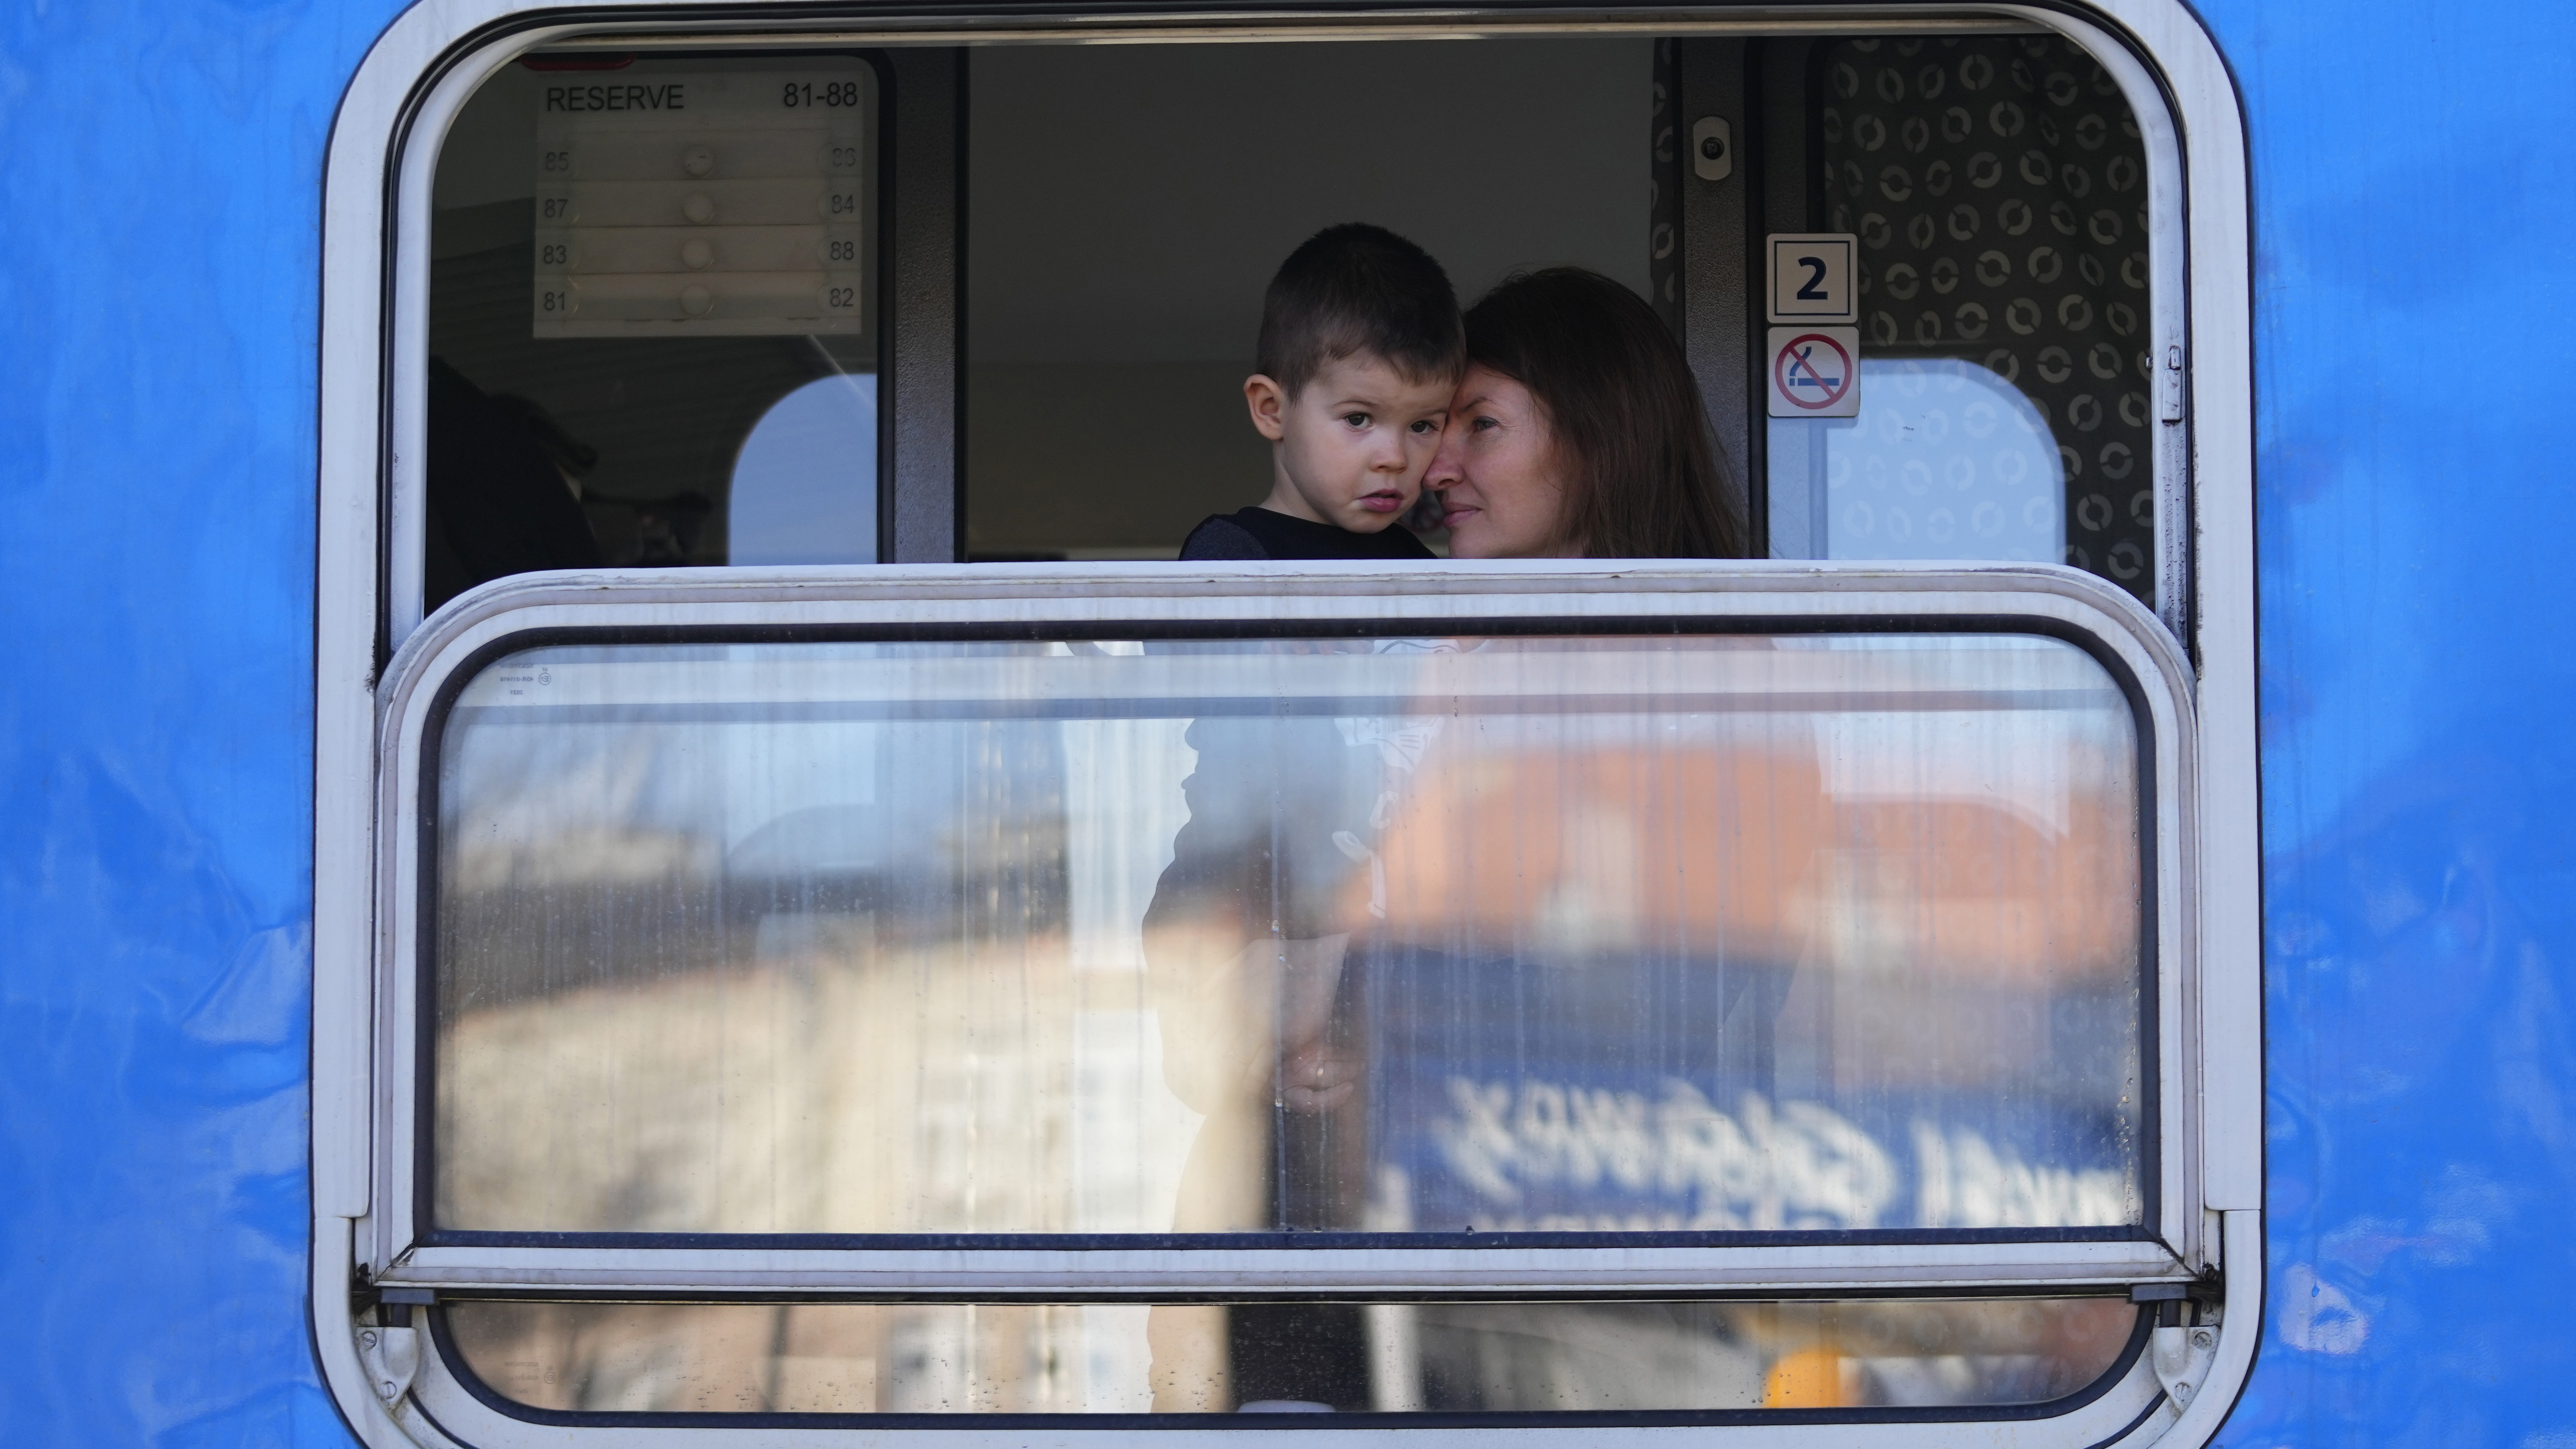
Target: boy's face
x=1350, y=448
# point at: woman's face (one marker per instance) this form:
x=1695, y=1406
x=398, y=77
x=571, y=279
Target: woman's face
x=1501, y=492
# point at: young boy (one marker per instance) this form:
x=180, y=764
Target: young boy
x=1360, y=349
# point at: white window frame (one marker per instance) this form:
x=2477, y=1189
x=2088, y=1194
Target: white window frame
x=409, y=89
x=1555, y=596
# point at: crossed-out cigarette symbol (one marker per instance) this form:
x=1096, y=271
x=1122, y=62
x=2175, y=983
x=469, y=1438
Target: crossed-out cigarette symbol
x=1809, y=381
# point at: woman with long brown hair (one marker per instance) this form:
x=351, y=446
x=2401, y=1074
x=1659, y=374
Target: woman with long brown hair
x=1578, y=432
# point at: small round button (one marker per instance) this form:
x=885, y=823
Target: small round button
x=1709, y=146
x=695, y=254
x=697, y=301
x=699, y=207
x=698, y=160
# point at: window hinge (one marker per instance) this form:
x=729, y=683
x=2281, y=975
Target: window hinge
x=2169, y=385
x=391, y=1349
x=391, y=1355
x=2182, y=1358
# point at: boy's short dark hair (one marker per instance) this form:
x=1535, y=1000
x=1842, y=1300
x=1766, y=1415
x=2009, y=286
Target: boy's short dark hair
x=1358, y=288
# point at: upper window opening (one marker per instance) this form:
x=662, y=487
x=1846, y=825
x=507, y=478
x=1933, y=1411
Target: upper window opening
x=1996, y=186
x=635, y=259
x=1129, y=204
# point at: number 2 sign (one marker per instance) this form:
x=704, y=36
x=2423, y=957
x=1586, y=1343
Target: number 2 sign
x=1812, y=277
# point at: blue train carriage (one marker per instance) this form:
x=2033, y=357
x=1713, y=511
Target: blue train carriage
x=815, y=930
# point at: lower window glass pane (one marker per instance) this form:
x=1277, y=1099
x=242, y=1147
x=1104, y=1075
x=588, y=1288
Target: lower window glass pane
x=1604, y=935
x=1513, y=1358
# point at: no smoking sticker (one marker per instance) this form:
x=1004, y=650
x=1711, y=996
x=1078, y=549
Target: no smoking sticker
x=1815, y=372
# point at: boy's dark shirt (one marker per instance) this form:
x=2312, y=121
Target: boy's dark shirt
x=1256, y=532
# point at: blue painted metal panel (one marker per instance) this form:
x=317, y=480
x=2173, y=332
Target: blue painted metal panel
x=2416, y=340
x=2417, y=326
x=161, y=205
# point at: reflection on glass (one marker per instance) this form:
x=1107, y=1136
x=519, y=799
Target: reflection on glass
x=1602, y=934
x=814, y=1358
x=1947, y=460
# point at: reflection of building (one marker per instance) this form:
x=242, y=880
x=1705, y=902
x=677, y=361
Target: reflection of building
x=1907, y=938
x=856, y=1009
x=847, y=1087
x=1744, y=847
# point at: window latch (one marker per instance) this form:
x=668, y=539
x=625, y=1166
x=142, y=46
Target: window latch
x=1712, y=151
x=2169, y=385
x=391, y=1349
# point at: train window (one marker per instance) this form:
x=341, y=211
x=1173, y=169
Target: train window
x=1017, y=984
x=653, y=317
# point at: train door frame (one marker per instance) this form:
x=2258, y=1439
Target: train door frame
x=375, y=207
